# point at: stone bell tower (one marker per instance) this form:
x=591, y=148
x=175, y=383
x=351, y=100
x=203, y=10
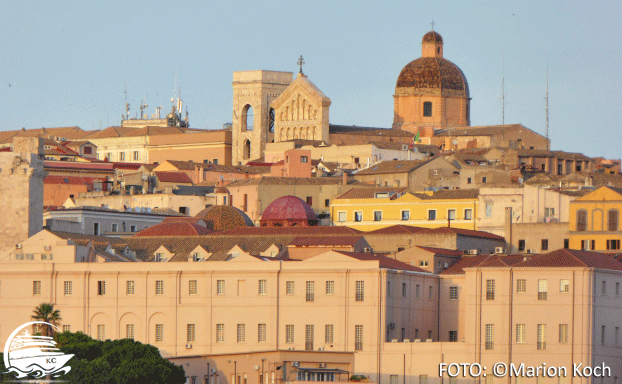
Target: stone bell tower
x=253, y=117
x=21, y=188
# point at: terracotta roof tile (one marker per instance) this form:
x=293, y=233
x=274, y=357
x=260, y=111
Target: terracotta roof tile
x=371, y=192
x=394, y=166
x=173, y=177
x=354, y=130
x=573, y=258
x=336, y=241
x=442, y=251
x=170, y=228
x=384, y=262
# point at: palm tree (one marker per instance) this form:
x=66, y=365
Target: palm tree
x=46, y=312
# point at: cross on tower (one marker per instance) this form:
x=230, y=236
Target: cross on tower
x=432, y=24
x=301, y=62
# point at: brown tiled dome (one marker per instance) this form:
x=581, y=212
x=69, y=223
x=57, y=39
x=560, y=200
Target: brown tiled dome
x=429, y=75
x=432, y=37
x=223, y=217
x=221, y=190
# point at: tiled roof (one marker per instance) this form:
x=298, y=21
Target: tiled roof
x=354, y=130
x=384, y=262
x=270, y=180
x=290, y=231
x=75, y=180
x=192, y=190
x=573, y=258
x=173, y=228
x=370, y=192
x=288, y=208
x=173, y=177
x=394, y=166
x=465, y=232
x=398, y=229
x=442, y=251
x=453, y=194
x=428, y=73
x=109, y=133
x=336, y=241
x=481, y=260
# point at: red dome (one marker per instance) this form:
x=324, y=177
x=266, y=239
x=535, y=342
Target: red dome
x=288, y=208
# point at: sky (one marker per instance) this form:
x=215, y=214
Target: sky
x=68, y=63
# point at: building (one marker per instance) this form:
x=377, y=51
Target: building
x=374, y=208
x=595, y=220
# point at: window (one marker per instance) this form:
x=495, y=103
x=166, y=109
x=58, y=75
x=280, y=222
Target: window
x=66, y=328
x=159, y=287
x=263, y=287
x=304, y=159
x=617, y=289
x=358, y=217
x=543, y=287
x=342, y=217
x=603, y=288
x=129, y=287
x=468, y=214
x=417, y=290
x=490, y=289
x=328, y=334
x=453, y=336
x=132, y=228
x=289, y=288
x=405, y=215
x=427, y=108
x=309, y=337
x=564, y=286
x=261, y=333
x=377, y=215
x=330, y=287
x=326, y=203
x=358, y=337
x=545, y=244
x=581, y=220
x=388, y=289
x=135, y=156
x=613, y=244
x=613, y=217
x=241, y=333
x=101, y=288
x=563, y=333
x=220, y=287
x=432, y=214
x=617, y=334
x=245, y=202
x=541, y=337
x=521, y=245
x=121, y=156
x=451, y=214
x=521, y=286
x=68, y=288
x=549, y=212
x=520, y=333
x=310, y=293
x=484, y=179
x=192, y=287
x=423, y=379
x=404, y=289
x=566, y=243
x=310, y=200
x=488, y=209
x=190, y=333
x=96, y=229
x=289, y=333
x=115, y=227
x=159, y=257
x=423, y=263
x=129, y=331
x=159, y=333
x=490, y=336
x=220, y=333
x=360, y=290
x=88, y=150
x=393, y=379
x=469, y=181
x=101, y=332
x=453, y=293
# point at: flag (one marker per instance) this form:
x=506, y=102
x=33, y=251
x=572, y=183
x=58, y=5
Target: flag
x=416, y=139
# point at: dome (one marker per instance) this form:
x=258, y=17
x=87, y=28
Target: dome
x=223, y=217
x=432, y=75
x=288, y=210
x=174, y=228
x=222, y=190
x=432, y=37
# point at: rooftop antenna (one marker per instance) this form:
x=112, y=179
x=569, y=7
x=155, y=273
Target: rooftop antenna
x=127, y=105
x=503, y=89
x=158, y=112
x=143, y=106
x=546, y=99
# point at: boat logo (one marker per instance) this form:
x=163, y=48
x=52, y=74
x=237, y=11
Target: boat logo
x=26, y=354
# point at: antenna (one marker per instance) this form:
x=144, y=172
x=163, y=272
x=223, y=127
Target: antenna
x=158, y=112
x=503, y=89
x=143, y=106
x=127, y=105
x=546, y=98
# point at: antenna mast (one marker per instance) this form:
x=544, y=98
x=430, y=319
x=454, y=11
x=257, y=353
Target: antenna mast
x=546, y=98
x=503, y=89
x=127, y=105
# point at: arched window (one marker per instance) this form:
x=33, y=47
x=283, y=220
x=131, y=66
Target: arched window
x=427, y=108
x=581, y=221
x=271, y=120
x=247, y=118
x=613, y=217
x=247, y=150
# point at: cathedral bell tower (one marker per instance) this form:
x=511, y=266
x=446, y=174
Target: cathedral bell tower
x=253, y=116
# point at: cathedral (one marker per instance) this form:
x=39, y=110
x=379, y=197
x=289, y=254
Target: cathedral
x=431, y=102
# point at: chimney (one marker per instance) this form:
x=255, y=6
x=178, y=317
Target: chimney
x=345, y=178
x=247, y=176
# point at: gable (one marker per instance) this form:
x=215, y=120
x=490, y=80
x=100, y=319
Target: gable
x=303, y=87
x=330, y=256
x=602, y=194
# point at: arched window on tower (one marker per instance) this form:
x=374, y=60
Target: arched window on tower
x=247, y=118
x=247, y=150
x=427, y=108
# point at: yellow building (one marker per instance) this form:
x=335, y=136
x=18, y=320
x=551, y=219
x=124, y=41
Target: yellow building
x=595, y=220
x=373, y=208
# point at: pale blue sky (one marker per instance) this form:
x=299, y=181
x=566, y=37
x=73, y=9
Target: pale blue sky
x=67, y=62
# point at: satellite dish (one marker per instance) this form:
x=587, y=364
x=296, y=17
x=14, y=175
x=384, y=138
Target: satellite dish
x=455, y=142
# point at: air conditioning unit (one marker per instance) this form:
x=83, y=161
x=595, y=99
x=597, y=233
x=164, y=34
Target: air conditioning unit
x=294, y=364
x=321, y=365
x=47, y=247
x=18, y=246
x=320, y=349
x=394, y=340
x=499, y=250
x=473, y=252
x=188, y=346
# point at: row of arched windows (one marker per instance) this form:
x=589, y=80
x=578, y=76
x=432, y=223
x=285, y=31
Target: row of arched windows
x=612, y=224
x=289, y=133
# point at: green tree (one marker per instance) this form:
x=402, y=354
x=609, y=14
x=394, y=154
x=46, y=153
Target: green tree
x=46, y=312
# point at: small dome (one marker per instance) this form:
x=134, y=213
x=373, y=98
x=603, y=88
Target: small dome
x=288, y=211
x=223, y=217
x=174, y=228
x=427, y=75
x=222, y=190
x=432, y=37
